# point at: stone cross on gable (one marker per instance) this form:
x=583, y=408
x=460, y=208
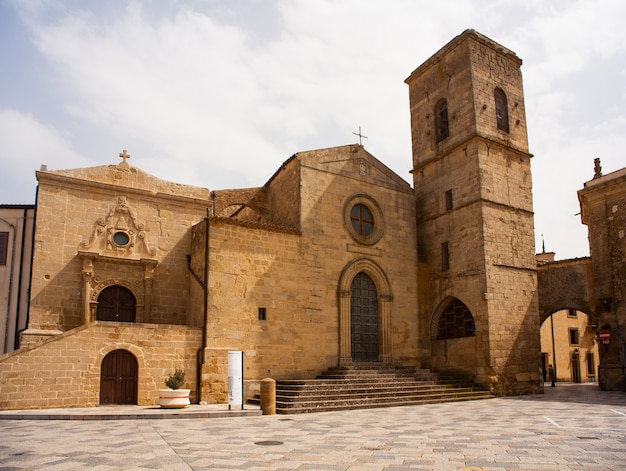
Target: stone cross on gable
x=125, y=155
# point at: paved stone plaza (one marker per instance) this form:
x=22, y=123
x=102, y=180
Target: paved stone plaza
x=570, y=427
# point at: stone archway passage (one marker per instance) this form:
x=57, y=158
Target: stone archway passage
x=364, y=319
x=118, y=378
x=116, y=303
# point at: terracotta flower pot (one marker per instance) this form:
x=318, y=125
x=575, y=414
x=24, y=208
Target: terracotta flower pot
x=174, y=398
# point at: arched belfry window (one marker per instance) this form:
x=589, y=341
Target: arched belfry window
x=442, y=129
x=502, y=110
x=454, y=321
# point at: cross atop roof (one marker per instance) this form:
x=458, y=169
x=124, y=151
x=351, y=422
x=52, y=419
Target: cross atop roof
x=125, y=155
x=360, y=135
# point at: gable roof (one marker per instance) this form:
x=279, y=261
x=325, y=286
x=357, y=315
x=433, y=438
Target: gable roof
x=351, y=161
x=124, y=175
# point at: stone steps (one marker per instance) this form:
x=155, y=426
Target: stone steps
x=370, y=386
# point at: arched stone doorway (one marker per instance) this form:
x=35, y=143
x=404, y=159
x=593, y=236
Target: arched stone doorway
x=371, y=278
x=116, y=303
x=452, y=320
x=364, y=319
x=453, y=343
x=118, y=378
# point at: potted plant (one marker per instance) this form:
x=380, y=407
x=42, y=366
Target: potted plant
x=174, y=397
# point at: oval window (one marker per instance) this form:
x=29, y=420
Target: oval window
x=121, y=238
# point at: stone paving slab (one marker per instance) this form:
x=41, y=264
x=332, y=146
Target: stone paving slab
x=570, y=427
x=117, y=412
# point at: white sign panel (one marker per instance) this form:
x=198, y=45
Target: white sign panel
x=235, y=378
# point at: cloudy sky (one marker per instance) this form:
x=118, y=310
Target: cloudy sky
x=218, y=93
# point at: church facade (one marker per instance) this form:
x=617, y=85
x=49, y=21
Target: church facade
x=336, y=260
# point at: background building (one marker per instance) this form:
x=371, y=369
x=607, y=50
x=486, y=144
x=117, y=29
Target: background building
x=16, y=242
x=569, y=342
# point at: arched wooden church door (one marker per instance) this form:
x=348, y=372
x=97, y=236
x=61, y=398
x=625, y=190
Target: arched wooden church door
x=118, y=378
x=116, y=303
x=364, y=319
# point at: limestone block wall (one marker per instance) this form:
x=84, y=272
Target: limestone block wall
x=64, y=371
x=332, y=182
x=295, y=276
x=70, y=214
x=276, y=203
x=252, y=268
x=465, y=72
x=283, y=192
x=474, y=201
x=459, y=174
x=505, y=176
x=446, y=74
x=566, y=284
x=514, y=330
x=495, y=66
x=247, y=204
x=461, y=227
x=455, y=356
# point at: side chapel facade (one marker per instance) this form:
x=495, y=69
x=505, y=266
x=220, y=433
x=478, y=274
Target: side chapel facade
x=336, y=260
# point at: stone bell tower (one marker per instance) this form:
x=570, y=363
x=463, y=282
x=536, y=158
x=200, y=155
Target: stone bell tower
x=471, y=172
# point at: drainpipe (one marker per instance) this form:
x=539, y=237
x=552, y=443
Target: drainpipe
x=205, y=322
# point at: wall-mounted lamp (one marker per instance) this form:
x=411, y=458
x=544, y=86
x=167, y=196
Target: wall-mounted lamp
x=607, y=304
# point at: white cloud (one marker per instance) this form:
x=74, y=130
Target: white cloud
x=218, y=94
x=26, y=145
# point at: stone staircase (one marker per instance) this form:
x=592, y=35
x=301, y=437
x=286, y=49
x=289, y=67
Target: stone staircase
x=368, y=386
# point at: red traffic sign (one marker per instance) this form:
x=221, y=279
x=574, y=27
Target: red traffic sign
x=605, y=336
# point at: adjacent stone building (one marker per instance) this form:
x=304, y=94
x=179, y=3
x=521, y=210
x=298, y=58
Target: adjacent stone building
x=603, y=210
x=336, y=260
x=593, y=287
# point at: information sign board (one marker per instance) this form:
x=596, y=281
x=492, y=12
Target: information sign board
x=235, y=379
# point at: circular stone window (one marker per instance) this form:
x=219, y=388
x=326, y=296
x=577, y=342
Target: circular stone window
x=364, y=219
x=121, y=239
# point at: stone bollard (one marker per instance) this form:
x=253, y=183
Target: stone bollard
x=268, y=396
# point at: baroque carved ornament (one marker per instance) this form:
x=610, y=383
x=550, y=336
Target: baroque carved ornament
x=119, y=234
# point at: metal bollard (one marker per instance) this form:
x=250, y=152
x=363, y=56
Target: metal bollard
x=268, y=396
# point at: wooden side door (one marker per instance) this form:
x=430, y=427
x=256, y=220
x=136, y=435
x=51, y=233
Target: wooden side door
x=116, y=303
x=118, y=378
